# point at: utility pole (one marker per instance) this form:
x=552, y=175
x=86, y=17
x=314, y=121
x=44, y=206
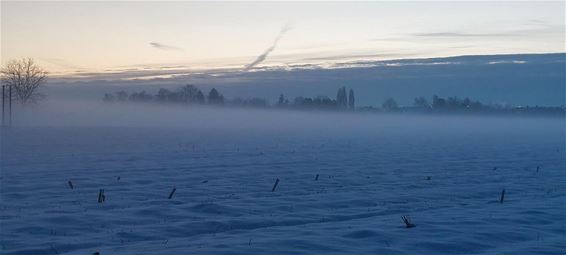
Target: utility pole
x=3, y=111
x=6, y=120
x=10, y=104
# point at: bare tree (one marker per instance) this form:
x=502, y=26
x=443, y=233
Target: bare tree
x=26, y=78
x=390, y=105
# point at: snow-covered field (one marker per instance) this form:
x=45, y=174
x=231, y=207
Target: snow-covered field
x=446, y=173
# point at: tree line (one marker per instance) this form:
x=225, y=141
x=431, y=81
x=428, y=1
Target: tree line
x=458, y=105
x=344, y=101
x=190, y=94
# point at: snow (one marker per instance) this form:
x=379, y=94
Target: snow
x=372, y=170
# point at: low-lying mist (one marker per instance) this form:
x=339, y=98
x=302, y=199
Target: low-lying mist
x=69, y=113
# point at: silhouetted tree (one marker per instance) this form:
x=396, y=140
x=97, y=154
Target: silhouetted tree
x=454, y=103
x=282, y=101
x=199, y=99
x=109, y=98
x=438, y=103
x=390, y=104
x=351, y=100
x=467, y=103
x=26, y=78
x=164, y=95
x=475, y=105
x=341, y=98
x=258, y=102
x=188, y=94
x=122, y=96
x=251, y=102
x=132, y=97
x=325, y=102
x=214, y=97
x=140, y=97
x=320, y=102
x=421, y=102
x=308, y=102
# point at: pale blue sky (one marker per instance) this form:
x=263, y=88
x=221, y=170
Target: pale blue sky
x=98, y=36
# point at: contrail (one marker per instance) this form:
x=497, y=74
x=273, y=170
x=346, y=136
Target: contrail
x=164, y=46
x=264, y=55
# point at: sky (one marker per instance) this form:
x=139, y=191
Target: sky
x=70, y=37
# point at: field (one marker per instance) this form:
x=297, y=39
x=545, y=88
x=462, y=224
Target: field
x=345, y=181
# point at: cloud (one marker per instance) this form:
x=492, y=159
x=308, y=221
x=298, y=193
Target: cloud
x=466, y=35
x=358, y=56
x=264, y=55
x=537, y=22
x=162, y=46
x=526, y=29
x=61, y=63
x=233, y=75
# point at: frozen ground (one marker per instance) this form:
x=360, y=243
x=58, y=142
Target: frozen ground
x=372, y=170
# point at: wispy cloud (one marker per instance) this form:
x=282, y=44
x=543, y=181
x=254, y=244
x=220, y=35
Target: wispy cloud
x=528, y=28
x=264, y=55
x=467, y=35
x=358, y=56
x=514, y=30
x=162, y=46
x=61, y=63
